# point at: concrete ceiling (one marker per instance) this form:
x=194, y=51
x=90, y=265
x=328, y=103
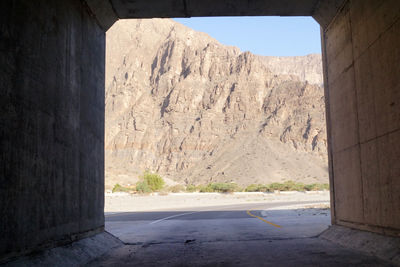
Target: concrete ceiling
x=200, y=8
x=108, y=11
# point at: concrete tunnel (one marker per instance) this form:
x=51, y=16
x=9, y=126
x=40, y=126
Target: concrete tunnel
x=52, y=60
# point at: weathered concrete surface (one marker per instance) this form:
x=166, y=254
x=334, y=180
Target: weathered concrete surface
x=290, y=252
x=107, y=12
x=362, y=55
x=103, y=12
x=228, y=236
x=51, y=124
x=188, y=8
x=322, y=10
x=75, y=254
x=384, y=247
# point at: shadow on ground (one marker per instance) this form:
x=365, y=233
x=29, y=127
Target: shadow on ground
x=230, y=237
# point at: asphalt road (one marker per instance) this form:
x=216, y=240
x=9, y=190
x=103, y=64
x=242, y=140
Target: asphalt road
x=214, y=212
x=232, y=235
x=205, y=224
x=204, y=211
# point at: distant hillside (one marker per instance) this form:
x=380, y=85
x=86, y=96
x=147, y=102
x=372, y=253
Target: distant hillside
x=307, y=68
x=182, y=104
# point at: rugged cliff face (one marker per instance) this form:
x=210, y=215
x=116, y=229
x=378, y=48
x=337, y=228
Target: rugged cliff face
x=182, y=104
x=307, y=68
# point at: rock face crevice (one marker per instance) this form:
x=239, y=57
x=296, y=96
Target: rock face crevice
x=180, y=103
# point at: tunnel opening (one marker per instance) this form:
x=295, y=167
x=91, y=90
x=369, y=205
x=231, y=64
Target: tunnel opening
x=239, y=138
x=167, y=99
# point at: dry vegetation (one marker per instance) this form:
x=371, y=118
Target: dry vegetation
x=153, y=182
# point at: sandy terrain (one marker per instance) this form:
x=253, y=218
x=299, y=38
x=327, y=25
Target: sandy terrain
x=122, y=202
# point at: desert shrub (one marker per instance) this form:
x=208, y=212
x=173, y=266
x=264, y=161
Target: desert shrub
x=239, y=189
x=176, y=188
x=325, y=186
x=286, y=186
x=205, y=188
x=309, y=187
x=299, y=187
x=256, y=188
x=120, y=188
x=191, y=188
x=220, y=187
x=232, y=187
x=143, y=187
x=275, y=186
x=292, y=186
x=315, y=187
x=153, y=180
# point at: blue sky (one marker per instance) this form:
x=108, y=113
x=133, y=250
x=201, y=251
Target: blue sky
x=268, y=36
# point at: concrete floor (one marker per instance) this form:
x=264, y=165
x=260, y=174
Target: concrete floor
x=227, y=236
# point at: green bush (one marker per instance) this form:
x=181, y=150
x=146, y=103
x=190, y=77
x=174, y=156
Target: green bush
x=205, y=188
x=286, y=186
x=120, y=188
x=191, y=188
x=292, y=186
x=309, y=187
x=224, y=187
x=275, y=186
x=232, y=187
x=219, y=188
x=143, y=187
x=256, y=188
x=315, y=187
x=153, y=180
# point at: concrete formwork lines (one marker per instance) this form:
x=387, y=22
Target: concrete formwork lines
x=357, y=118
x=389, y=27
x=328, y=128
x=363, y=114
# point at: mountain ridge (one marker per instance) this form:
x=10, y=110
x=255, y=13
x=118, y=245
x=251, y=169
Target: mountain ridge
x=182, y=104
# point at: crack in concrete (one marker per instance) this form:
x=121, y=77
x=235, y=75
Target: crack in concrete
x=144, y=244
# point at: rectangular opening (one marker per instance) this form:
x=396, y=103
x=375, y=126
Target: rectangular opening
x=236, y=130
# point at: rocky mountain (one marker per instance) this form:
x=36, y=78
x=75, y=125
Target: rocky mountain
x=307, y=68
x=180, y=103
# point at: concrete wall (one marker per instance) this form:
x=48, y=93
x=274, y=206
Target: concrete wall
x=52, y=110
x=51, y=124
x=362, y=67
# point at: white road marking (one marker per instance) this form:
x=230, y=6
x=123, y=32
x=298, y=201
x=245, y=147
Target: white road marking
x=177, y=215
